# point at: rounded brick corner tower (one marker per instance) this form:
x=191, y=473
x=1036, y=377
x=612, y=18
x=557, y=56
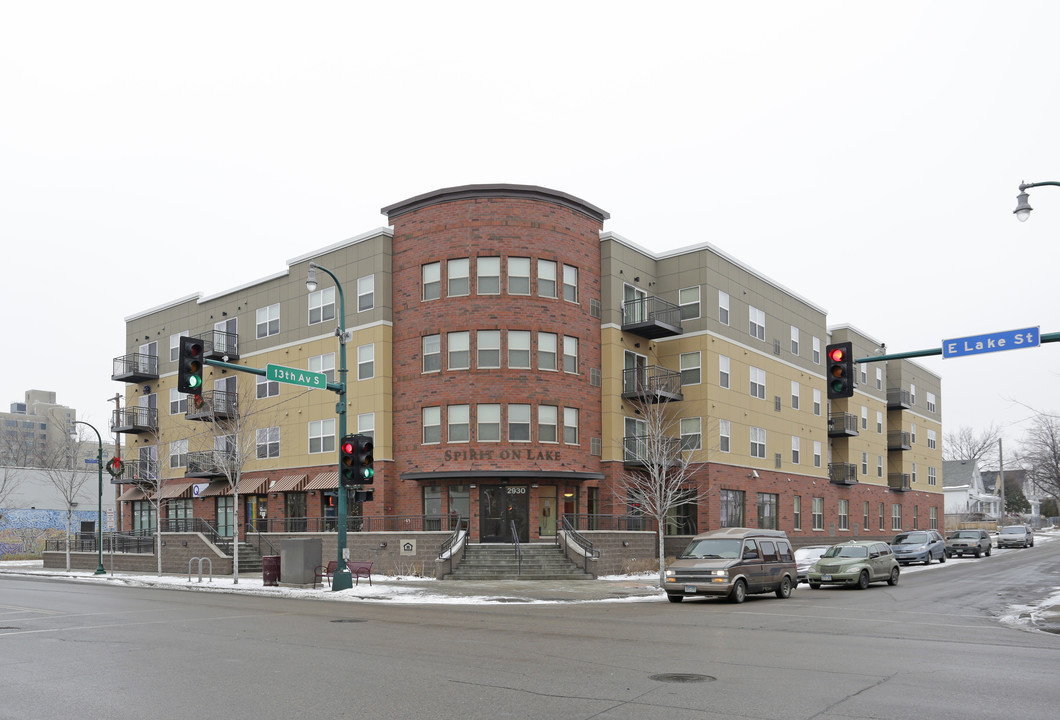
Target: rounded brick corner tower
x=496, y=344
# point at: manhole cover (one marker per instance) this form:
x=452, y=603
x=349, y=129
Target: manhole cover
x=682, y=678
x=347, y=620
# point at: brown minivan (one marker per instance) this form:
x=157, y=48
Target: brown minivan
x=733, y=563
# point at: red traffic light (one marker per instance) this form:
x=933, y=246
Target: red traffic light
x=836, y=354
x=347, y=448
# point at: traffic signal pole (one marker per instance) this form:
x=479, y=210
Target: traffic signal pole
x=1046, y=337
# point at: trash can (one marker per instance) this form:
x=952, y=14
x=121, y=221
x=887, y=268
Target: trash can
x=270, y=570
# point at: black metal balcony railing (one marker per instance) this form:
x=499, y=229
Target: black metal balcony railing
x=218, y=345
x=651, y=384
x=898, y=440
x=212, y=405
x=134, y=420
x=842, y=424
x=843, y=473
x=140, y=472
x=642, y=449
x=899, y=482
x=651, y=317
x=89, y=542
x=207, y=463
x=135, y=367
x=898, y=399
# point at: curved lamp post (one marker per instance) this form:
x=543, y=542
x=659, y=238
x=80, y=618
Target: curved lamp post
x=341, y=580
x=1023, y=206
x=99, y=522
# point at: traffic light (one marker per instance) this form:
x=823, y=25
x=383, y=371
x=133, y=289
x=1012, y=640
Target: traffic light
x=840, y=370
x=189, y=366
x=364, y=495
x=347, y=462
x=363, y=450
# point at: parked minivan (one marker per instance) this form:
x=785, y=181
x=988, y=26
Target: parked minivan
x=733, y=563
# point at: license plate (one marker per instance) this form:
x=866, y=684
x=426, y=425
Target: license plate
x=826, y=578
x=690, y=589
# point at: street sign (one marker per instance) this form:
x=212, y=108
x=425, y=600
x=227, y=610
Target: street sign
x=991, y=342
x=294, y=376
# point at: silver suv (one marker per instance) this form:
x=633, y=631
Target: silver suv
x=1015, y=536
x=968, y=542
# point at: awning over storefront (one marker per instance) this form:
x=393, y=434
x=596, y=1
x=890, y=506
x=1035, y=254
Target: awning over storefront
x=252, y=485
x=324, y=481
x=217, y=487
x=133, y=493
x=173, y=490
x=290, y=483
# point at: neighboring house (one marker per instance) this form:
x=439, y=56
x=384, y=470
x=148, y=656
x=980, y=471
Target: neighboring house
x=1017, y=477
x=965, y=492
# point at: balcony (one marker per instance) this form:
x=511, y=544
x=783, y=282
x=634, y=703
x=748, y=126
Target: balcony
x=207, y=463
x=651, y=384
x=843, y=473
x=642, y=450
x=139, y=472
x=899, y=482
x=134, y=420
x=212, y=405
x=842, y=424
x=218, y=345
x=651, y=317
x=898, y=440
x=134, y=368
x=898, y=399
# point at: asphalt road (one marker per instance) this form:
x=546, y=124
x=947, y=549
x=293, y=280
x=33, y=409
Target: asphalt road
x=932, y=647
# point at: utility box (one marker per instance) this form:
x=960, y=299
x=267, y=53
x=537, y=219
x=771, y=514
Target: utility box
x=299, y=558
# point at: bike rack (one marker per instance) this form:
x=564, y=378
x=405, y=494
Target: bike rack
x=200, y=559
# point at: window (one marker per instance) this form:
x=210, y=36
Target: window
x=817, y=453
x=459, y=423
x=756, y=322
x=816, y=345
x=432, y=425
x=879, y=466
x=459, y=270
x=322, y=436
x=882, y=527
x=864, y=418
x=519, y=348
x=758, y=442
x=879, y=378
x=268, y=442
x=691, y=433
x=794, y=395
x=570, y=283
x=916, y=517
x=174, y=346
x=932, y=479
x=570, y=354
x=865, y=515
x=459, y=350
x=366, y=425
x=489, y=348
x=912, y=474
x=688, y=300
x=488, y=281
x=796, y=444
x=844, y=514
x=723, y=435
x=767, y=511
x=265, y=388
x=758, y=383
x=864, y=463
x=912, y=433
x=323, y=364
x=933, y=514
x=723, y=307
x=546, y=351
x=322, y=305
x=365, y=293
x=723, y=371
x=518, y=276
x=731, y=502
x=691, y=368
x=366, y=362
x=570, y=426
x=796, y=512
x=817, y=402
x=432, y=353
x=267, y=321
x=794, y=340
x=817, y=513
x=178, y=402
x=930, y=401
x=489, y=423
x=879, y=422
x=547, y=423
x=912, y=394
x=546, y=278
x=432, y=280
x=178, y=454
x=896, y=516
x=519, y=423
x=932, y=439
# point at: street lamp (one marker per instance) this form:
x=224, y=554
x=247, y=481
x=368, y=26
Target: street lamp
x=99, y=522
x=341, y=579
x=1023, y=206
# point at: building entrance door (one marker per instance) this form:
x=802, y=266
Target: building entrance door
x=499, y=506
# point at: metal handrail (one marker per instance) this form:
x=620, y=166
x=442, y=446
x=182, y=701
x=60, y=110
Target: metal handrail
x=518, y=548
x=578, y=539
x=456, y=540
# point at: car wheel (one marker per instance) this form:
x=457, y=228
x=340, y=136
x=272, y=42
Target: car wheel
x=784, y=591
x=739, y=592
x=1032, y=544
x=863, y=580
x=893, y=579
x=675, y=598
x=942, y=558
x=988, y=551
x=978, y=553
x=815, y=586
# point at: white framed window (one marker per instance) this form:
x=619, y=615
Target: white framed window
x=547, y=423
x=489, y=422
x=321, y=436
x=688, y=301
x=796, y=512
x=267, y=321
x=323, y=364
x=912, y=433
x=488, y=276
x=519, y=349
x=794, y=395
x=322, y=305
x=268, y=442
x=864, y=463
x=431, y=279
x=758, y=442
x=691, y=434
x=794, y=340
x=879, y=422
x=265, y=388
x=896, y=516
x=932, y=477
x=546, y=351
x=518, y=423
x=570, y=426
x=756, y=322
x=459, y=417
x=930, y=401
x=757, y=382
x=178, y=454
x=459, y=272
x=432, y=353
x=178, y=402
x=817, y=453
x=458, y=348
x=912, y=394
x=366, y=361
x=723, y=307
x=912, y=473
x=488, y=348
x=432, y=425
x=879, y=466
x=570, y=354
x=366, y=424
x=817, y=401
x=691, y=368
x=816, y=345
x=864, y=418
x=817, y=513
x=546, y=278
x=518, y=276
x=365, y=293
x=174, y=345
x=570, y=283
x=724, y=371
x=724, y=435
x=843, y=511
x=796, y=446
x=932, y=441
x=879, y=378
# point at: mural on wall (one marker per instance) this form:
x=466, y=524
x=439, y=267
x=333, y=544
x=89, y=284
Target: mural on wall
x=24, y=532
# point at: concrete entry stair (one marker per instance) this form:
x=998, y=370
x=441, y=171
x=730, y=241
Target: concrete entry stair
x=499, y=562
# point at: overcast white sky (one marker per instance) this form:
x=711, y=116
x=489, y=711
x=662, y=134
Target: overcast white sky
x=149, y=151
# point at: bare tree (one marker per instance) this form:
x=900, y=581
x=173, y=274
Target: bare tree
x=1040, y=454
x=60, y=467
x=664, y=479
x=10, y=478
x=966, y=443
